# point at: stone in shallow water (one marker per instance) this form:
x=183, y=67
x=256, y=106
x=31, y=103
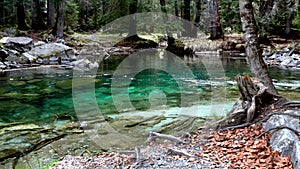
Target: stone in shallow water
x=20, y=127
x=17, y=83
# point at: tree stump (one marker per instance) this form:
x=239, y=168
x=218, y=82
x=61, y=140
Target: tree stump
x=254, y=100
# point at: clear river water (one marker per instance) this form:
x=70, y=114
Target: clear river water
x=123, y=84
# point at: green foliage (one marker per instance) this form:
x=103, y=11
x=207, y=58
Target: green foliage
x=71, y=14
x=230, y=16
x=296, y=23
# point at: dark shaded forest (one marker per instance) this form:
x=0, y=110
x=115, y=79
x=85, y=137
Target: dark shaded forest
x=62, y=17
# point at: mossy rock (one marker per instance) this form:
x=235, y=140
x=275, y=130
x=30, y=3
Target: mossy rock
x=17, y=83
x=136, y=42
x=68, y=84
x=178, y=48
x=8, y=153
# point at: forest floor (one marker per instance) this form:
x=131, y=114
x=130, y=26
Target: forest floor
x=235, y=148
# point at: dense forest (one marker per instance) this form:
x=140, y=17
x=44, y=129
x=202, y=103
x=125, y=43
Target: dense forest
x=274, y=17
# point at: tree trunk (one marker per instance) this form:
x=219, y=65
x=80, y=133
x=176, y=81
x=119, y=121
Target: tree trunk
x=176, y=8
x=290, y=8
x=197, y=18
x=50, y=13
x=132, y=22
x=215, y=24
x=104, y=6
x=22, y=25
x=170, y=39
x=256, y=63
x=2, y=12
x=37, y=17
x=60, y=19
x=265, y=7
x=187, y=16
x=82, y=14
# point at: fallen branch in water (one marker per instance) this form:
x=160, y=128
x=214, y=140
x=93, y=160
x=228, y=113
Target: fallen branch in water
x=154, y=135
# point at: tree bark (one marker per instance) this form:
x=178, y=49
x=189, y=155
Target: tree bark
x=2, y=12
x=254, y=56
x=170, y=39
x=50, y=13
x=60, y=19
x=187, y=16
x=37, y=17
x=265, y=7
x=290, y=8
x=197, y=18
x=176, y=8
x=22, y=25
x=132, y=22
x=215, y=24
x=104, y=6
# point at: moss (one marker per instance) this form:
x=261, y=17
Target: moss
x=177, y=48
x=137, y=43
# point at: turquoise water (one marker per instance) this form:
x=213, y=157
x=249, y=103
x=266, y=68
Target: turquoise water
x=44, y=95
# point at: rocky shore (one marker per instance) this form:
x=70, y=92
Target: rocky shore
x=287, y=58
x=204, y=148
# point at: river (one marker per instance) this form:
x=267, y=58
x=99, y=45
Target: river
x=151, y=85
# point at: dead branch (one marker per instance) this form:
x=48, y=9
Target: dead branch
x=278, y=128
x=137, y=154
x=139, y=161
x=154, y=135
x=179, y=152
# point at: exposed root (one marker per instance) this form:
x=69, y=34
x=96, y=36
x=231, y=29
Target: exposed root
x=236, y=126
x=277, y=128
x=291, y=104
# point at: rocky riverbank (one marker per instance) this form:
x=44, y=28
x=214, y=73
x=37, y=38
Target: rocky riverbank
x=203, y=148
x=286, y=58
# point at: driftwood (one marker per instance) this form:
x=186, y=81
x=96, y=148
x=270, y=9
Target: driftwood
x=255, y=99
x=154, y=135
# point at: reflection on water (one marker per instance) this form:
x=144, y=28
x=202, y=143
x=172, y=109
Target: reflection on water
x=153, y=81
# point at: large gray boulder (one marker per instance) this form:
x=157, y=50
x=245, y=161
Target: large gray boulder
x=55, y=53
x=285, y=140
x=21, y=44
